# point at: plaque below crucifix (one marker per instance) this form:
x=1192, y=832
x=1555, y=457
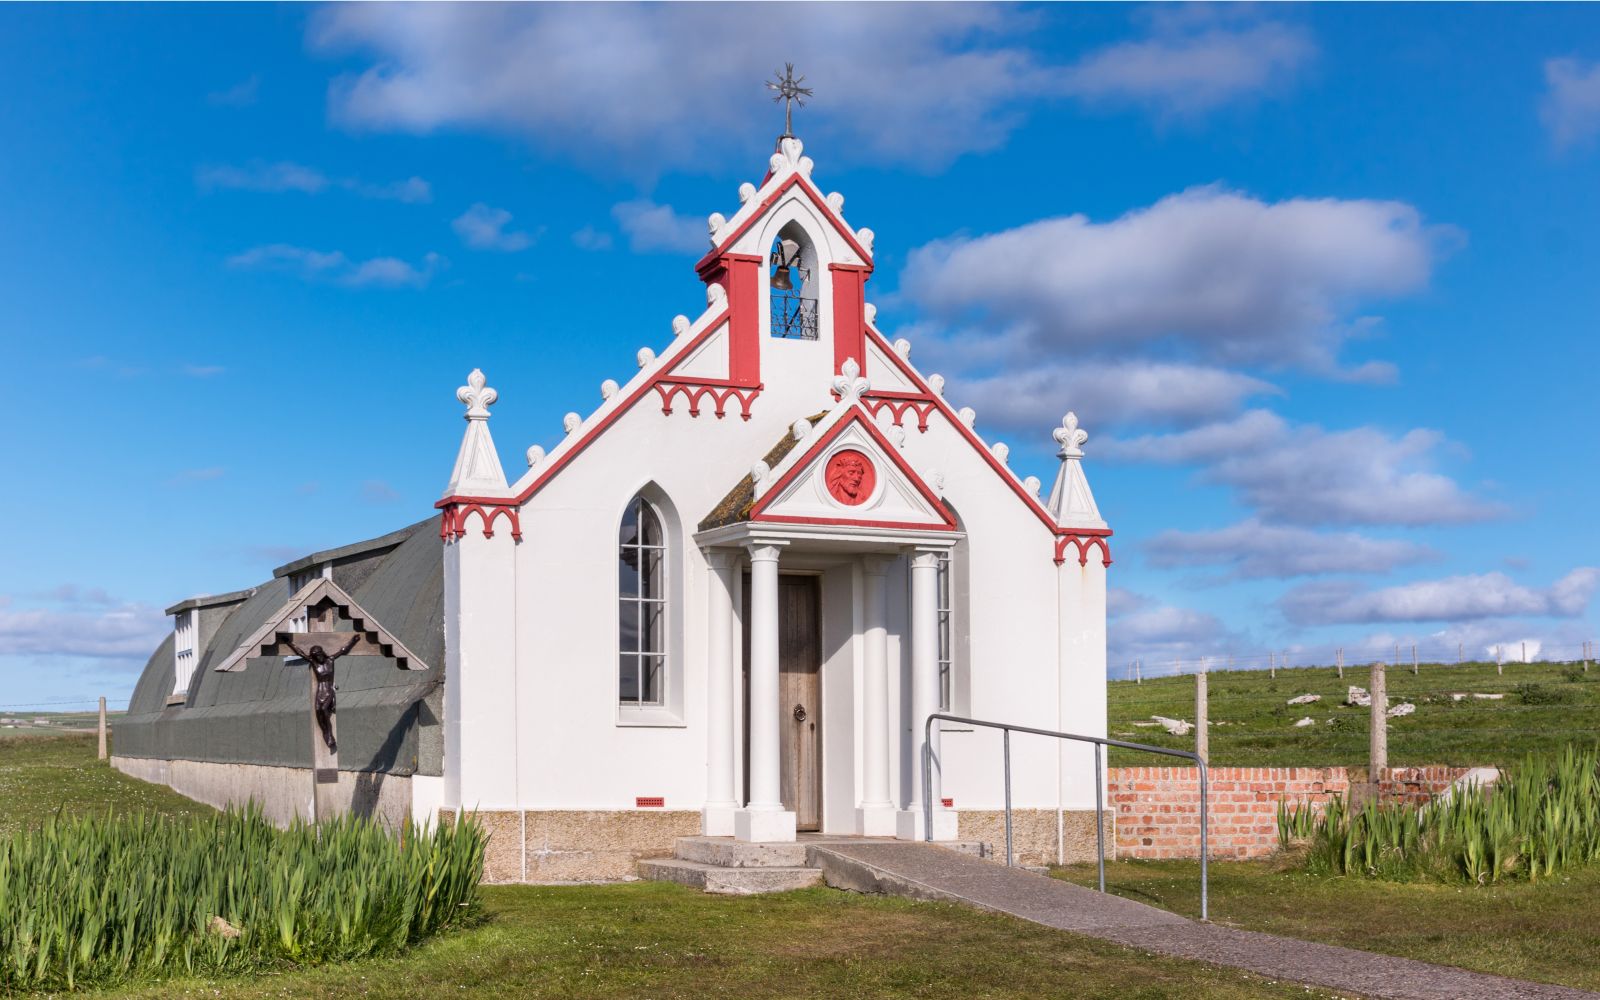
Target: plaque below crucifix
x=322, y=624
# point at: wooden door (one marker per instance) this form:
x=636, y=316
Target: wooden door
x=800, y=698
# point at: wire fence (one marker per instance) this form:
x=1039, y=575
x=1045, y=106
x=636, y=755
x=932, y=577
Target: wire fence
x=1412, y=656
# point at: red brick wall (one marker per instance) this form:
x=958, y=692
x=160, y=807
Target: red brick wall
x=1157, y=809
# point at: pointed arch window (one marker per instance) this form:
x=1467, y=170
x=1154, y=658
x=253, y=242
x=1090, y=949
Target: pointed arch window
x=642, y=608
x=792, y=284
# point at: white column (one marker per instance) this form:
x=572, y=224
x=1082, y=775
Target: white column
x=717, y=816
x=925, y=701
x=764, y=818
x=875, y=817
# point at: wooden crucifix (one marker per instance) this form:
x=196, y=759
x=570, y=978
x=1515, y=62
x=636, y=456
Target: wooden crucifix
x=318, y=640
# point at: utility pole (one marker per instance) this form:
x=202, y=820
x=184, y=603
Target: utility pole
x=1458, y=654
x=1413, y=659
x=1202, y=742
x=102, y=727
x=1340, y=655
x=1272, y=664
x=1499, y=661
x=1524, y=651
x=1379, y=753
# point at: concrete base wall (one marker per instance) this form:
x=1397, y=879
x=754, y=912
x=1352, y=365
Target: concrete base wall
x=1039, y=836
x=577, y=845
x=283, y=793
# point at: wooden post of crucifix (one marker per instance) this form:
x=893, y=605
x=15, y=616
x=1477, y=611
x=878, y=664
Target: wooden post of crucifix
x=324, y=606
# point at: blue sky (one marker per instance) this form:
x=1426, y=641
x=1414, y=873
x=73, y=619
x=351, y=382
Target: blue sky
x=1317, y=280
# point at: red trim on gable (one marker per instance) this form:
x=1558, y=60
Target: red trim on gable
x=810, y=190
x=694, y=390
x=856, y=416
x=566, y=457
x=1084, y=539
x=453, y=523
x=898, y=404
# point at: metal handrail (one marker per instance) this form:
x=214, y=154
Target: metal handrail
x=1099, y=787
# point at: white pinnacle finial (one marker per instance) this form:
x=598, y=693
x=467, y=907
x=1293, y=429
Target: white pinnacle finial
x=849, y=383
x=1070, y=437
x=1071, y=501
x=477, y=395
x=477, y=467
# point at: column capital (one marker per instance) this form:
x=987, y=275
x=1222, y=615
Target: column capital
x=764, y=550
x=922, y=558
x=719, y=558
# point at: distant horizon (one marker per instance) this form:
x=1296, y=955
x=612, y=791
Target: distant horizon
x=1317, y=281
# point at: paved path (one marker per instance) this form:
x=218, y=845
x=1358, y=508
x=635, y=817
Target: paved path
x=923, y=871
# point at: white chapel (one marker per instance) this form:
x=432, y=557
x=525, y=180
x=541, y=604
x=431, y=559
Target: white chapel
x=725, y=603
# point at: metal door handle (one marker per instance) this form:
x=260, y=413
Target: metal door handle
x=799, y=713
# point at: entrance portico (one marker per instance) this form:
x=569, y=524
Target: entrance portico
x=869, y=556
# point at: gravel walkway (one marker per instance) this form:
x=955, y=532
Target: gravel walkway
x=923, y=871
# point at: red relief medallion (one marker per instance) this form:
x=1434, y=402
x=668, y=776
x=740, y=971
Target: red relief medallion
x=850, y=477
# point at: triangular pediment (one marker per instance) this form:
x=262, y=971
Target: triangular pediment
x=850, y=473
x=321, y=604
x=706, y=360
x=886, y=373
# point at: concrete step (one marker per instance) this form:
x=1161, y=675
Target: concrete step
x=725, y=852
x=729, y=881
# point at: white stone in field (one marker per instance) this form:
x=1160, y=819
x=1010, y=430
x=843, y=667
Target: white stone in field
x=1177, y=727
x=1358, y=696
x=1304, y=699
x=1307, y=721
x=1404, y=708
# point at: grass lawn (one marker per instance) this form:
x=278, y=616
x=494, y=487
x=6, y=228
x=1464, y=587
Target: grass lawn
x=1251, y=726
x=42, y=774
x=662, y=941
x=1544, y=931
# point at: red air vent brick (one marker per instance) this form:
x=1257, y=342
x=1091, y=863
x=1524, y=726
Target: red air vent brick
x=949, y=803
x=649, y=802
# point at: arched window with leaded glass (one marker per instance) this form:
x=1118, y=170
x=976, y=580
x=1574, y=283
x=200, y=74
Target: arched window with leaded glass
x=642, y=606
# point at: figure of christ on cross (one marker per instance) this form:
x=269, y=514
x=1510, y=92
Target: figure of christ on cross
x=321, y=663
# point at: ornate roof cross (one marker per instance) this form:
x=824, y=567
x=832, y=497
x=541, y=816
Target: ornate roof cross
x=791, y=93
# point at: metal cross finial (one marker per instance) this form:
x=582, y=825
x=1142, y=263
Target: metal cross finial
x=791, y=93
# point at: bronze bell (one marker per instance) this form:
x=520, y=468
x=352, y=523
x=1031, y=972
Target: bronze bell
x=780, y=279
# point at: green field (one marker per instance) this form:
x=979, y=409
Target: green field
x=1544, y=706
x=1544, y=931
x=42, y=774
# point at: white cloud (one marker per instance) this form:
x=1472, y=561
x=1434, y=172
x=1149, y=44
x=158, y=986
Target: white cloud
x=1144, y=629
x=666, y=84
x=1303, y=474
x=652, y=227
x=268, y=177
x=1455, y=598
x=1189, y=73
x=590, y=238
x=1216, y=272
x=1257, y=550
x=104, y=630
x=335, y=266
x=276, y=178
x=1108, y=393
x=484, y=228
x=1571, y=106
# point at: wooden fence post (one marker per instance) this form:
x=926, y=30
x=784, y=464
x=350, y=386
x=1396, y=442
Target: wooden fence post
x=1340, y=654
x=1202, y=741
x=102, y=727
x=1413, y=659
x=1499, y=660
x=1379, y=755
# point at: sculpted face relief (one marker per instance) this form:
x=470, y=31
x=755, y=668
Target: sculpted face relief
x=850, y=478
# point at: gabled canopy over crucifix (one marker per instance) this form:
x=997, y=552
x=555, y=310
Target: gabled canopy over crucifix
x=322, y=604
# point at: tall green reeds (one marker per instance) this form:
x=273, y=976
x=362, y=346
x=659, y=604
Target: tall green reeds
x=95, y=900
x=1541, y=816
